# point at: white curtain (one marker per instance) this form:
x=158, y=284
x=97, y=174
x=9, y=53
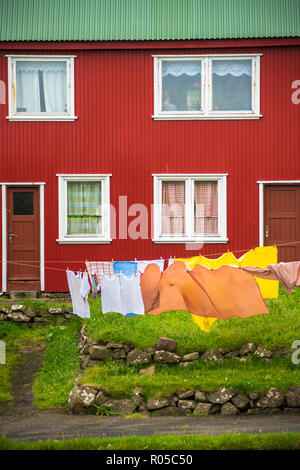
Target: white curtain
x=236, y=68
x=28, y=90
x=41, y=86
x=178, y=68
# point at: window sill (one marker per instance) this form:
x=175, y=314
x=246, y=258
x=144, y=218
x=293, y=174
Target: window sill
x=41, y=118
x=83, y=241
x=213, y=117
x=189, y=240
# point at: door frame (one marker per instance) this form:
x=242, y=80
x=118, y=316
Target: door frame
x=4, y=231
x=261, y=189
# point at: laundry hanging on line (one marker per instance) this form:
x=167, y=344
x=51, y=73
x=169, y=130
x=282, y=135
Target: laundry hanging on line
x=122, y=294
x=79, y=289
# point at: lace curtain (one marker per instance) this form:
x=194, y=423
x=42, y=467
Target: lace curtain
x=236, y=68
x=41, y=86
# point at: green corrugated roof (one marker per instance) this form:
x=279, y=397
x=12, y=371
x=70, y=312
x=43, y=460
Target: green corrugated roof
x=109, y=20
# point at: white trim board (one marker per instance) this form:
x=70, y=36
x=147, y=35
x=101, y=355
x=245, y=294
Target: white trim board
x=261, y=204
x=4, y=231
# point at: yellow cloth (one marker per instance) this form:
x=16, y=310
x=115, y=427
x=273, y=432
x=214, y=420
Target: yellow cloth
x=259, y=257
x=203, y=322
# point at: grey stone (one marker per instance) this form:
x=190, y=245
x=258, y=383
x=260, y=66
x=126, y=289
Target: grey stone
x=114, y=345
x=172, y=411
x=186, y=395
x=263, y=352
x=223, y=351
x=149, y=371
x=137, y=357
x=31, y=313
x=186, y=404
x=153, y=404
x=247, y=348
x=18, y=317
x=187, y=364
x=233, y=353
x=220, y=396
x=293, y=397
x=55, y=311
x=253, y=396
x=166, y=357
x=273, y=399
x=118, y=354
x=18, y=308
x=100, y=398
x=128, y=348
x=292, y=410
x=124, y=405
x=166, y=344
x=241, y=401
x=4, y=310
x=81, y=400
x=137, y=396
x=68, y=310
x=174, y=401
x=212, y=356
x=200, y=396
x=2, y=316
x=100, y=352
x=150, y=350
x=229, y=410
x=282, y=352
x=191, y=357
x=203, y=408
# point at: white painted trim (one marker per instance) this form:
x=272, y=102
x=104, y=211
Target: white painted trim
x=206, y=112
x=4, y=232
x=42, y=237
x=13, y=115
x=261, y=203
x=196, y=56
x=190, y=237
x=63, y=238
x=173, y=176
x=40, y=57
x=4, y=244
x=83, y=175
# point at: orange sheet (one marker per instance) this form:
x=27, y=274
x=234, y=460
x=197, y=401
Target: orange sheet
x=220, y=293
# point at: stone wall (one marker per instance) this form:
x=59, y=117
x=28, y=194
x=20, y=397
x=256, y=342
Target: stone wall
x=91, y=399
x=163, y=353
x=28, y=316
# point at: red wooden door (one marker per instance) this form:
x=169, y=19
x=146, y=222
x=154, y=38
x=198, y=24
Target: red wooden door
x=282, y=220
x=23, y=238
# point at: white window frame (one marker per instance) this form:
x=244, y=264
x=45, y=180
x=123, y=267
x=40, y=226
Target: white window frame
x=64, y=237
x=190, y=236
x=13, y=115
x=206, y=89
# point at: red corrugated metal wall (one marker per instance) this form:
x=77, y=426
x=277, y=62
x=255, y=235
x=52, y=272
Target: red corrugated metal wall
x=115, y=133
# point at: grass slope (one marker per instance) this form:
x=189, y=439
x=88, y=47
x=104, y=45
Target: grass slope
x=275, y=330
x=272, y=441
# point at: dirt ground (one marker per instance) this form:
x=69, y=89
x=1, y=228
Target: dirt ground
x=21, y=420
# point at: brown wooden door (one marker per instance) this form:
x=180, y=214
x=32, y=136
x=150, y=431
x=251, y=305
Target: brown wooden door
x=23, y=237
x=282, y=220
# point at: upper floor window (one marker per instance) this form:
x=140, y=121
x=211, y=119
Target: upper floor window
x=41, y=87
x=206, y=87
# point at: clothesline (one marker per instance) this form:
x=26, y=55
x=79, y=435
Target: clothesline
x=38, y=264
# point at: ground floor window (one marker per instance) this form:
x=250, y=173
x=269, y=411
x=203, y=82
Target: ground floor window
x=190, y=208
x=84, y=208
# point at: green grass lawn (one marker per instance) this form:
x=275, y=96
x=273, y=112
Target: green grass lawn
x=275, y=330
x=272, y=441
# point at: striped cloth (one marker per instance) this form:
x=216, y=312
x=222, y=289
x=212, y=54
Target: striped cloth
x=99, y=268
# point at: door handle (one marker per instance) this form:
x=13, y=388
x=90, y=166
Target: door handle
x=10, y=236
x=267, y=231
